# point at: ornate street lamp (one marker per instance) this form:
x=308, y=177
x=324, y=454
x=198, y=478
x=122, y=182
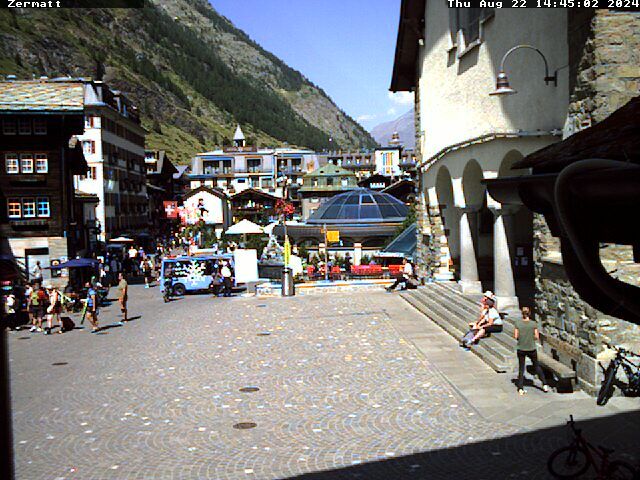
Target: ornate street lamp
x=502, y=81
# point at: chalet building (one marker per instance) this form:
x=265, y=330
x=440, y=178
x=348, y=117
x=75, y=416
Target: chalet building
x=391, y=161
x=484, y=113
x=322, y=184
x=160, y=188
x=113, y=143
x=206, y=205
x=376, y=182
x=40, y=218
x=181, y=182
x=254, y=205
x=276, y=171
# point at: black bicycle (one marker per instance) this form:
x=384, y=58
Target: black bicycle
x=574, y=460
x=610, y=381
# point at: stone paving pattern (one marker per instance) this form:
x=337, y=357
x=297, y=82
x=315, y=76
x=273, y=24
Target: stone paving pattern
x=343, y=390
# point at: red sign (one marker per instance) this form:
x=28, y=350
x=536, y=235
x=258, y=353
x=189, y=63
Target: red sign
x=170, y=208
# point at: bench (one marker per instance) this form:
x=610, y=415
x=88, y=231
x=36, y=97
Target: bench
x=564, y=376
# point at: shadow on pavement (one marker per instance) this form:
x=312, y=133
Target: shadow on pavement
x=518, y=456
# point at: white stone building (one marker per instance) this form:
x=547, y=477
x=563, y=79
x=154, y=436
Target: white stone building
x=113, y=144
x=450, y=58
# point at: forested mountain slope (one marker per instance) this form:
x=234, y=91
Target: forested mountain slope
x=190, y=71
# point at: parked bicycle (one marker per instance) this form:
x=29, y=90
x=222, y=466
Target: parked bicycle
x=610, y=381
x=574, y=460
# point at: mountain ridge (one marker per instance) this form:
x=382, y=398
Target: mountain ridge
x=404, y=125
x=191, y=72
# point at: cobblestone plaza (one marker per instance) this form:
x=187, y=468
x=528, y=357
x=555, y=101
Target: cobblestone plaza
x=343, y=389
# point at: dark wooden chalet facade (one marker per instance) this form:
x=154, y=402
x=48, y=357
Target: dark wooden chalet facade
x=38, y=217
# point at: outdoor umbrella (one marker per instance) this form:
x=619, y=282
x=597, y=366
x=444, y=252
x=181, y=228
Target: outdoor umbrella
x=244, y=228
x=121, y=240
x=77, y=263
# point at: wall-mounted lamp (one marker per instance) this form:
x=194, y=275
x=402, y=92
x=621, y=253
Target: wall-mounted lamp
x=502, y=81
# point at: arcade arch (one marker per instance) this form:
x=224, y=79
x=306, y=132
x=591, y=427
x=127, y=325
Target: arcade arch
x=450, y=220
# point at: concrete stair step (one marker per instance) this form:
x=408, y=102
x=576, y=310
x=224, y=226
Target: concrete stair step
x=495, y=355
x=462, y=304
x=463, y=315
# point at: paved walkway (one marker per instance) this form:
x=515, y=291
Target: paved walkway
x=350, y=386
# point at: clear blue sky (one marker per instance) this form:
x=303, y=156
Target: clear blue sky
x=344, y=46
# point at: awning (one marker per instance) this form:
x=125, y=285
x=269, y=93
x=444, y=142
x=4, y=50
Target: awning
x=77, y=263
x=404, y=245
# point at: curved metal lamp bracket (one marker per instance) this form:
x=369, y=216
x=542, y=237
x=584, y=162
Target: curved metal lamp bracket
x=547, y=77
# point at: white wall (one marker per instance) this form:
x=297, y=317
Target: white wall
x=214, y=204
x=454, y=93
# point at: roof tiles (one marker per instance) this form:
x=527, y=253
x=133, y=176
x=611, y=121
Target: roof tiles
x=40, y=96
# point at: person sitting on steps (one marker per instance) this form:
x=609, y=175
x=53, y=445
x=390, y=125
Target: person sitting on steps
x=407, y=273
x=489, y=322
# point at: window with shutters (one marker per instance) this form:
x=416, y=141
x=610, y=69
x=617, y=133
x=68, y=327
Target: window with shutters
x=8, y=126
x=40, y=126
x=24, y=126
x=42, y=163
x=12, y=164
x=26, y=163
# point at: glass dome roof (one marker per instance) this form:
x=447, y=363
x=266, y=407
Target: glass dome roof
x=360, y=206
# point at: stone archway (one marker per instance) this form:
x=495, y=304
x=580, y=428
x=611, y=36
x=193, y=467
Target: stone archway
x=513, y=246
x=450, y=248
x=476, y=258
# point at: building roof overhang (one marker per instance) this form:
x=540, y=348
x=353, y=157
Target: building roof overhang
x=410, y=32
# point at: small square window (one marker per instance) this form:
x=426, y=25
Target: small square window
x=43, y=208
x=14, y=208
x=40, y=126
x=28, y=207
x=24, y=126
x=26, y=163
x=42, y=163
x=8, y=127
x=12, y=166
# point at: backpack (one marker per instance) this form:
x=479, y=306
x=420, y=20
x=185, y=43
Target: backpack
x=42, y=296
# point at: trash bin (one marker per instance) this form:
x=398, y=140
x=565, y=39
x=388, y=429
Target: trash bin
x=288, y=288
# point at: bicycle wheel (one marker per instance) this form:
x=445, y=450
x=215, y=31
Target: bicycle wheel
x=606, y=390
x=620, y=470
x=568, y=462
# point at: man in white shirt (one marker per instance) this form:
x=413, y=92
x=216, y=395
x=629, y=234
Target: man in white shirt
x=490, y=322
x=36, y=273
x=225, y=271
x=407, y=273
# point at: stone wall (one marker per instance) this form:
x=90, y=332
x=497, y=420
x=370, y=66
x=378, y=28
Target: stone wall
x=605, y=66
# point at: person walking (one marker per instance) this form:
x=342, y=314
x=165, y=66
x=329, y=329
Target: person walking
x=54, y=310
x=36, y=273
x=407, y=273
x=526, y=333
x=123, y=296
x=36, y=306
x=146, y=270
x=225, y=271
x=92, y=307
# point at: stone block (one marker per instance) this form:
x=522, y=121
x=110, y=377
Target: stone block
x=628, y=71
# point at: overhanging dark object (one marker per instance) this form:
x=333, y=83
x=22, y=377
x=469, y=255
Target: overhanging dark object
x=410, y=32
x=587, y=201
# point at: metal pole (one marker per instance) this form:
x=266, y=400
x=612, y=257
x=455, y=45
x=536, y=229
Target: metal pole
x=326, y=254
